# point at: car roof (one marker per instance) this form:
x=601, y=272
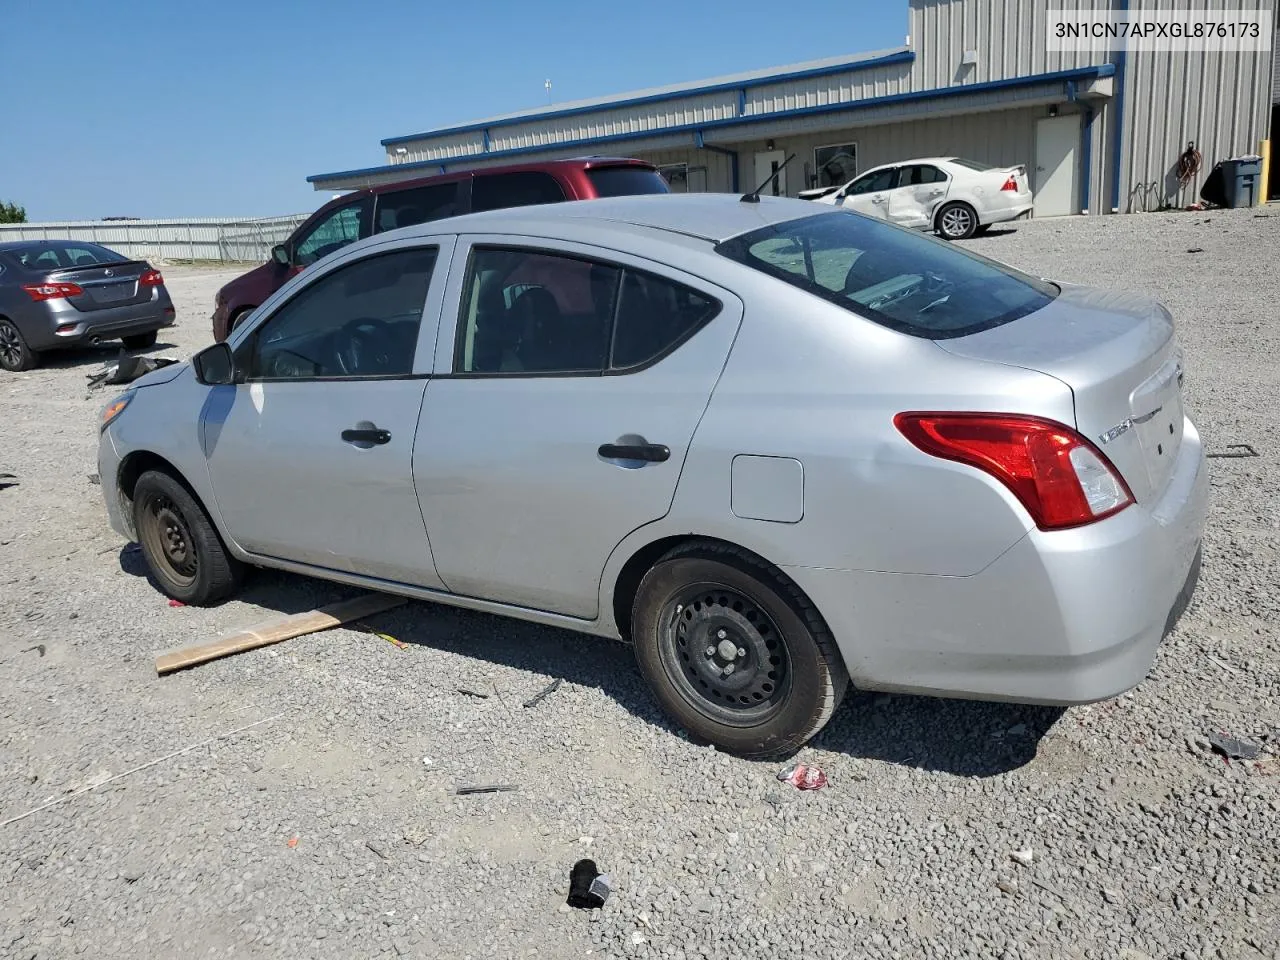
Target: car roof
x=533, y=166
x=705, y=216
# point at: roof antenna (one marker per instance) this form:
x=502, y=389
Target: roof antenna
x=754, y=195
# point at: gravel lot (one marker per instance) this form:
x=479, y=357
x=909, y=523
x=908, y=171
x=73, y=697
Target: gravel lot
x=331, y=829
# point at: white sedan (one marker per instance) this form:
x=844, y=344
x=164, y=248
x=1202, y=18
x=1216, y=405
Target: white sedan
x=953, y=196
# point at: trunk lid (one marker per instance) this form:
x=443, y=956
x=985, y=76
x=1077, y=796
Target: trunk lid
x=1118, y=354
x=105, y=285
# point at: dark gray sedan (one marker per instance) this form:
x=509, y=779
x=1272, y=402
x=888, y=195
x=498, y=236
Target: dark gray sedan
x=67, y=293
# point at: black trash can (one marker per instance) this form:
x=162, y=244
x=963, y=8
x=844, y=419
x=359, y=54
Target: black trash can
x=1242, y=177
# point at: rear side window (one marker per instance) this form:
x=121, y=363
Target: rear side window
x=626, y=181
x=534, y=312
x=920, y=174
x=498, y=191
x=901, y=279
x=422, y=205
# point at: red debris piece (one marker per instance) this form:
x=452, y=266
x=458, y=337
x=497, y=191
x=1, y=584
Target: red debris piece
x=804, y=778
x=176, y=603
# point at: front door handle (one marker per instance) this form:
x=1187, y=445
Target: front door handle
x=649, y=452
x=370, y=436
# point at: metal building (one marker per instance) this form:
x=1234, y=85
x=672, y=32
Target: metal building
x=1099, y=130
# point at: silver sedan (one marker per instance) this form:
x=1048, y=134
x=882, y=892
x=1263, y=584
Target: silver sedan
x=778, y=450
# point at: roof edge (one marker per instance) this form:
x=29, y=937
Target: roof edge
x=900, y=55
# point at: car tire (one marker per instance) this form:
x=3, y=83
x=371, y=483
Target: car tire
x=15, y=355
x=185, y=554
x=956, y=221
x=238, y=319
x=787, y=678
x=140, y=341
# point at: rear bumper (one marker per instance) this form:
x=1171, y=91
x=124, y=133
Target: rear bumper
x=1001, y=210
x=1062, y=618
x=68, y=327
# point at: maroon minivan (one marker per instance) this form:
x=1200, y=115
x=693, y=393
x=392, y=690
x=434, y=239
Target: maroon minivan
x=362, y=213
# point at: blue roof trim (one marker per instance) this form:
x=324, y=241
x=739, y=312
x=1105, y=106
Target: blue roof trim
x=905, y=56
x=942, y=93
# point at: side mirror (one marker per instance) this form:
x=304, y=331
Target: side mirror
x=215, y=365
x=280, y=255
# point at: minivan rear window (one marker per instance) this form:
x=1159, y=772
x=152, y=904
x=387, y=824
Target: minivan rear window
x=902, y=279
x=626, y=181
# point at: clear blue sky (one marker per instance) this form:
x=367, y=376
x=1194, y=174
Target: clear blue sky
x=156, y=108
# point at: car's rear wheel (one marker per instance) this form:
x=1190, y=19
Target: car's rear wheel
x=957, y=221
x=186, y=556
x=140, y=341
x=15, y=355
x=734, y=652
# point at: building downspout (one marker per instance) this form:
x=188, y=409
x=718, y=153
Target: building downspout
x=1086, y=157
x=1122, y=6
x=731, y=154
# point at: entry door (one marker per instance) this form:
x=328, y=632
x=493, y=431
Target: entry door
x=1056, y=141
x=311, y=458
x=769, y=164
x=922, y=188
x=570, y=392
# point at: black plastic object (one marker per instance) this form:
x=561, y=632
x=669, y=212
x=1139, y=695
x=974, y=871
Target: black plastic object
x=1214, y=190
x=588, y=888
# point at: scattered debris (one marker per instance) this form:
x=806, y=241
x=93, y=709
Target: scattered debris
x=1236, y=450
x=39, y=648
x=8, y=480
x=1195, y=250
x=1017, y=730
x=126, y=368
x=1232, y=748
x=545, y=692
x=427, y=761
x=473, y=693
x=375, y=847
x=588, y=887
x=293, y=842
x=1007, y=886
x=176, y=603
x=394, y=641
x=132, y=876
x=486, y=788
x=140, y=768
x=1111, y=895
x=586, y=841
x=275, y=631
x=804, y=778
x=1025, y=856
x=637, y=938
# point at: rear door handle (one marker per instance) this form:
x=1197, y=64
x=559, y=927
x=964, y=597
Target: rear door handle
x=366, y=436
x=649, y=452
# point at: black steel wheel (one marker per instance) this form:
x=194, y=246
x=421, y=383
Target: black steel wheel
x=187, y=558
x=735, y=653
x=15, y=355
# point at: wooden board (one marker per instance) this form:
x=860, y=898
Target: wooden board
x=276, y=631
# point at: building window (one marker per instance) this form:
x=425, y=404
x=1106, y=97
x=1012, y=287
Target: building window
x=676, y=175
x=836, y=164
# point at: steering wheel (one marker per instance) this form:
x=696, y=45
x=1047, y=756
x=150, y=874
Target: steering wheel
x=364, y=347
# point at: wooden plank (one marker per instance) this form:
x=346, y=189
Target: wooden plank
x=276, y=631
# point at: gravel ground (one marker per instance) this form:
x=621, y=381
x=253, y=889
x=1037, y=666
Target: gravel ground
x=331, y=830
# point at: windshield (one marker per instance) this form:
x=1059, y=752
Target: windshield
x=899, y=278
x=626, y=181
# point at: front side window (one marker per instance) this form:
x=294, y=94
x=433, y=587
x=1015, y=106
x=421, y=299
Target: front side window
x=497, y=191
x=533, y=312
x=404, y=208
x=340, y=227
x=873, y=182
x=836, y=164
x=901, y=279
x=361, y=320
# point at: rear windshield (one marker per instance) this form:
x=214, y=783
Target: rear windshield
x=972, y=164
x=902, y=279
x=626, y=181
x=59, y=256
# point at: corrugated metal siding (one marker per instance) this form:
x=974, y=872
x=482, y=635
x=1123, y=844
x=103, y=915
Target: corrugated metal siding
x=1008, y=35
x=1219, y=101
x=205, y=238
x=821, y=91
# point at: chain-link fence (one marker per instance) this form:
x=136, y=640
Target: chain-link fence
x=204, y=239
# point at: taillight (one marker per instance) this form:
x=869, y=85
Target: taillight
x=1061, y=478
x=52, y=291
x=1010, y=184
x=151, y=278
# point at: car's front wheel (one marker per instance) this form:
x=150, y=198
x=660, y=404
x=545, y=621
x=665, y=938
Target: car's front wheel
x=957, y=221
x=734, y=652
x=186, y=556
x=15, y=355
